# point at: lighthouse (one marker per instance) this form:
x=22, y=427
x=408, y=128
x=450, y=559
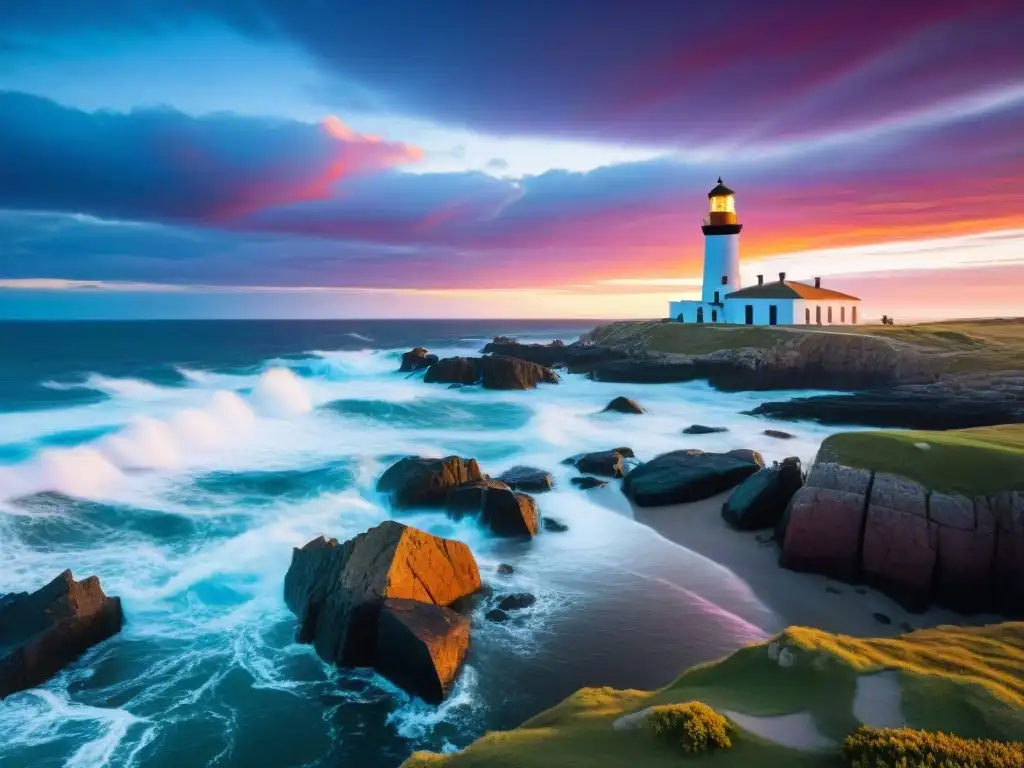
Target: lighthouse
x=721, y=246
x=724, y=300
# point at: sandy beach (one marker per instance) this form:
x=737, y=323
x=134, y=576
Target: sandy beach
x=796, y=598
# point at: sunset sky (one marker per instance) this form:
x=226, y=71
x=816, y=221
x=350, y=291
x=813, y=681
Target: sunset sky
x=472, y=158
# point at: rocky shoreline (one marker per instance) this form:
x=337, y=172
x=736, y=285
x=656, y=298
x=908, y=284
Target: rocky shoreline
x=393, y=598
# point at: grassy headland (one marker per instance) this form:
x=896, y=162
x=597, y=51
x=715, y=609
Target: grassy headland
x=969, y=461
x=963, y=680
x=950, y=347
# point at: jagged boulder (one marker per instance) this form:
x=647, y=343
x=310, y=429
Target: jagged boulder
x=420, y=647
x=506, y=512
x=516, y=602
x=496, y=372
x=337, y=590
x=42, y=632
x=553, y=526
x=416, y=359
x=586, y=483
x=624, y=405
x=528, y=479
x=419, y=482
x=680, y=477
x=760, y=501
x=747, y=455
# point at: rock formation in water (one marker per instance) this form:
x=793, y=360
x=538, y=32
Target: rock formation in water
x=528, y=479
x=680, y=477
x=504, y=511
x=496, y=372
x=416, y=359
x=375, y=601
x=917, y=546
x=624, y=405
x=42, y=632
x=605, y=463
x=420, y=482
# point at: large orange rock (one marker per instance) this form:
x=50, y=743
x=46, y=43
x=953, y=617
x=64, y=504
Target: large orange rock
x=420, y=647
x=42, y=632
x=337, y=590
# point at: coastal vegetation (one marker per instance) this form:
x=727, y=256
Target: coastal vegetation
x=969, y=461
x=907, y=748
x=965, y=682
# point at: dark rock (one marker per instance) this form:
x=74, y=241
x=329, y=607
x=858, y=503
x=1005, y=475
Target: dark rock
x=505, y=569
x=1008, y=562
x=964, y=568
x=529, y=479
x=417, y=359
x=469, y=499
x=833, y=591
x=420, y=647
x=419, y=482
x=747, y=455
x=906, y=626
x=881, y=618
x=510, y=513
x=700, y=429
x=645, y=371
x=337, y=590
x=681, y=477
x=778, y=434
x=43, y=632
x=553, y=526
x=588, y=482
x=624, y=405
x=491, y=372
x=605, y=463
x=516, y=602
x=953, y=402
x=761, y=500
x=506, y=512
x=577, y=358
x=496, y=615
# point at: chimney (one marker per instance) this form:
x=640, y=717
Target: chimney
x=817, y=282
x=782, y=277
x=760, y=279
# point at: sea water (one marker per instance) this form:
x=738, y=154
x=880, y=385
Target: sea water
x=182, y=462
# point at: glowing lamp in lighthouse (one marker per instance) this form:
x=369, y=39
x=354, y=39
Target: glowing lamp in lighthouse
x=722, y=204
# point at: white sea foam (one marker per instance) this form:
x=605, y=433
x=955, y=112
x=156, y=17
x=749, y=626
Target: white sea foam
x=280, y=394
x=132, y=389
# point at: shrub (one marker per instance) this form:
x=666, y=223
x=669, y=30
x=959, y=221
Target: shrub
x=694, y=726
x=907, y=748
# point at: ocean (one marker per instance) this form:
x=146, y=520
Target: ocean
x=182, y=461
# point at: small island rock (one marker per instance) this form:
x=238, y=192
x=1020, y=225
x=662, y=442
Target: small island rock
x=416, y=359
x=529, y=479
x=420, y=482
x=681, y=477
x=43, y=632
x=624, y=405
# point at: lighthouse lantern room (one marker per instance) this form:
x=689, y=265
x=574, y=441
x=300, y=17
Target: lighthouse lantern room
x=723, y=298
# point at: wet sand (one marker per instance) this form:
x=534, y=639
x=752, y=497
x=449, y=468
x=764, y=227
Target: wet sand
x=802, y=599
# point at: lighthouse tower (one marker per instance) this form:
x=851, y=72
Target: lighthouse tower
x=721, y=246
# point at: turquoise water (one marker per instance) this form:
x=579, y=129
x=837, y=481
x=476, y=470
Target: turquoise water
x=181, y=462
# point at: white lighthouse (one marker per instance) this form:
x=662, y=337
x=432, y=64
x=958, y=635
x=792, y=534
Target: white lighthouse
x=721, y=246
x=724, y=300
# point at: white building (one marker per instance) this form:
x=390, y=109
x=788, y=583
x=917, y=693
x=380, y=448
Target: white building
x=724, y=299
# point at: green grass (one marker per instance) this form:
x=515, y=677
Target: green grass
x=950, y=347
x=967, y=680
x=969, y=461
